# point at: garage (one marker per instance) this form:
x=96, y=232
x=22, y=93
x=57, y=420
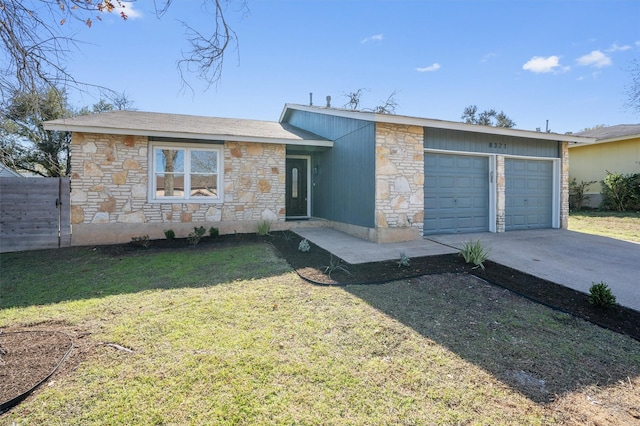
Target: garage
x=456, y=193
x=528, y=194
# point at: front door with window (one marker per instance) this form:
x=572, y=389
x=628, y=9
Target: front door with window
x=296, y=187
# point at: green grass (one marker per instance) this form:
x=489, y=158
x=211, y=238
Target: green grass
x=233, y=336
x=619, y=225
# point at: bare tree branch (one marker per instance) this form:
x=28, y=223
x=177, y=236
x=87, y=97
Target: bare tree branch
x=206, y=54
x=38, y=42
x=633, y=88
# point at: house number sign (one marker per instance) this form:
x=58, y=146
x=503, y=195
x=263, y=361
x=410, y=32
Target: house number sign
x=497, y=145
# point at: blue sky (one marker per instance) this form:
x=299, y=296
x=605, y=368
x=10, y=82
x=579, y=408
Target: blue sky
x=563, y=61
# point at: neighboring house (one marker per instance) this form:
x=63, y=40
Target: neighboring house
x=5, y=171
x=381, y=177
x=616, y=150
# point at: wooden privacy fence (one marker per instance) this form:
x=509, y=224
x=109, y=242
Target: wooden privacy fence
x=34, y=213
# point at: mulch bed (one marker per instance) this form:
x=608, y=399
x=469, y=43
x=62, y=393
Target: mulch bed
x=28, y=357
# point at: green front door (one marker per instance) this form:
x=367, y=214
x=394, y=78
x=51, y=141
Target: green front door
x=296, y=187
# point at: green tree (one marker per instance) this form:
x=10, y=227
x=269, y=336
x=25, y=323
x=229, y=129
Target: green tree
x=487, y=117
x=25, y=145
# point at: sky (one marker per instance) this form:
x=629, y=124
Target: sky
x=567, y=62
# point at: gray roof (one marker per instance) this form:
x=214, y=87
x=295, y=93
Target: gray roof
x=621, y=131
x=140, y=123
x=5, y=171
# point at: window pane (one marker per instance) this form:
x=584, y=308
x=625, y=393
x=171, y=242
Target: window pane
x=294, y=182
x=204, y=185
x=169, y=173
x=170, y=185
x=204, y=162
x=170, y=160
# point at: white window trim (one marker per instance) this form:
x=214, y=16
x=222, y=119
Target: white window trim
x=151, y=186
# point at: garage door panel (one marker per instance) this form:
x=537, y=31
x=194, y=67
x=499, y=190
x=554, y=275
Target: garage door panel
x=447, y=181
x=460, y=200
x=464, y=182
x=528, y=195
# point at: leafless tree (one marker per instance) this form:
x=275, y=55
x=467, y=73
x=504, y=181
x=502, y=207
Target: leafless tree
x=633, y=88
x=353, y=99
x=389, y=105
x=38, y=41
x=386, y=107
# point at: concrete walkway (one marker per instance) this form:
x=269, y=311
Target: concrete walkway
x=569, y=258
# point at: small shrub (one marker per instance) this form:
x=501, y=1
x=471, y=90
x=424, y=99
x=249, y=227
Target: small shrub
x=404, y=261
x=621, y=192
x=304, y=246
x=142, y=241
x=473, y=252
x=169, y=234
x=577, y=196
x=196, y=235
x=214, y=232
x=263, y=228
x=601, y=295
x=335, y=263
x=287, y=236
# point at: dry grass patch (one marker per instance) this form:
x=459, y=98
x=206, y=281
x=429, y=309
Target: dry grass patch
x=620, y=225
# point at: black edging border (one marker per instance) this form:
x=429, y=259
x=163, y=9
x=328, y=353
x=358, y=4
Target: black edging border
x=6, y=406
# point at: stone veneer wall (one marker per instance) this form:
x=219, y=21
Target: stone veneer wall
x=399, y=182
x=109, y=187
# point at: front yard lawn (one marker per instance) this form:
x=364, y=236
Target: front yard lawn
x=620, y=225
x=231, y=335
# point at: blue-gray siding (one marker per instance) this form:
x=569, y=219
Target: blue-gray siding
x=343, y=189
x=453, y=140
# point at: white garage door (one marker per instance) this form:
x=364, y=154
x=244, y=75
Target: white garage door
x=529, y=194
x=456, y=193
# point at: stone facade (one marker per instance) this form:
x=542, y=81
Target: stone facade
x=109, y=191
x=399, y=182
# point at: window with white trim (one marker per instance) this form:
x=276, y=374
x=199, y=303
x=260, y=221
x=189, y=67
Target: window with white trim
x=186, y=172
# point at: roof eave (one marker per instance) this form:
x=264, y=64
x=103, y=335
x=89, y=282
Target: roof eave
x=438, y=124
x=616, y=139
x=181, y=135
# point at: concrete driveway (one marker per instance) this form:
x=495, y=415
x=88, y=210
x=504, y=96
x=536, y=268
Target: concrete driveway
x=569, y=258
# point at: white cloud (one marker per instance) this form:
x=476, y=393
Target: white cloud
x=377, y=37
x=488, y=56
x=434, y=67
x=616, y=48
x=540, y=64
x=128, y=9
x=596, y=59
